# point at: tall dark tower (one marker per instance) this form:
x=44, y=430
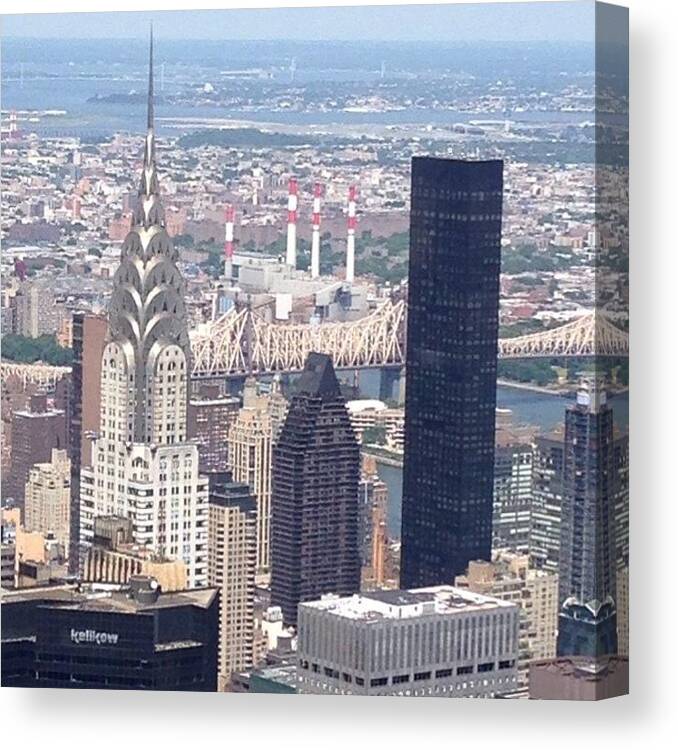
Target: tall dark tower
x=314, y=505
x=453, y=313
x=587, y=572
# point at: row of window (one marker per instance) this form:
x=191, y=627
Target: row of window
x=405, y=678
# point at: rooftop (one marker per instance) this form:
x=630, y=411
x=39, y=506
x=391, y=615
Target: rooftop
x=106, y=598
x=380, y=605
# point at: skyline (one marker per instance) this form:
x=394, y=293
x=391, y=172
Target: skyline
x=569, y=20
x=431, y=241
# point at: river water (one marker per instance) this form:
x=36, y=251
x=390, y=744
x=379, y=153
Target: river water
x=545, y=411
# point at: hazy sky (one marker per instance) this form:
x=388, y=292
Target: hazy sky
x=559, y=21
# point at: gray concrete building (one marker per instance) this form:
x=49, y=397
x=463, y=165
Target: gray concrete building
x=440, y=641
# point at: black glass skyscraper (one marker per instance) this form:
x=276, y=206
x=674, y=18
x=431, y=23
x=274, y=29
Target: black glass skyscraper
x=453, y=312
x=314, y=504
x=587, y=571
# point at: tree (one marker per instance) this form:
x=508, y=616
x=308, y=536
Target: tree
x=16, y=348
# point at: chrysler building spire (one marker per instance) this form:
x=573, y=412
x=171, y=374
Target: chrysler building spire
x=144, y=467
x=149, y=209
x=147, y=314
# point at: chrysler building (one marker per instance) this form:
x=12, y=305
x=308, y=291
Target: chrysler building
x=143, y=466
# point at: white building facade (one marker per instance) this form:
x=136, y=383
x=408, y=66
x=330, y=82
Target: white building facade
x=143, y=466
x=439, y=641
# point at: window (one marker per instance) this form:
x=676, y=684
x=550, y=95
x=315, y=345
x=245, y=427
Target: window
x=443, y=673
x=418, y=676
x=464, y=670
x=378, y=681
x=486, y=667
x=400, y=678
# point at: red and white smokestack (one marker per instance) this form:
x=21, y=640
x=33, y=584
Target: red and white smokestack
x=291, y=258
x=350, y=239
x=76, y=207
x=228, y=245
x=315, y=237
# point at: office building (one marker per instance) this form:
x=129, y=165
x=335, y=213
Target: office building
x=143, y=465
x=134, y=638
x=250, y=446
x=210, y=416
x=450, y=397
x=512, y=505
x=620, y=483
x=277, y=407
x=231, y=569
x=547, y=501
x=510, y=577
x=588, y=569
x=439, y=641
x=48, y=498
x=89, y=339
x=36, y=431
x=314, y=507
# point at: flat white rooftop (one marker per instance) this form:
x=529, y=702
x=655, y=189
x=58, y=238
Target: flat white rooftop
x=407, y=603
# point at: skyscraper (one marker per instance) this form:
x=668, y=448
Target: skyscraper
x=210, y=416
x=142, y=465
x=314, y=506
x=587, y=534
x=48, y=497
x=232, y=563
x=547, y=500
x=36, y=431
x=249, y=446
x=588, y=569
x=453, y=308
x=89, y=339
x=512, y=497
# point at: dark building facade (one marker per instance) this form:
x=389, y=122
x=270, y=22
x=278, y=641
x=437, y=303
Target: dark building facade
x=587, y=629
x=452, y=329
x=89, y=339
x=134, y=639
x=547, y=501
x=587, y=571
x=210, y=416
x=35, y=432
x=315, y=546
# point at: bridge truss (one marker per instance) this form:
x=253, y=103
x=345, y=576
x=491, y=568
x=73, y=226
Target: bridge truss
x=241, y=341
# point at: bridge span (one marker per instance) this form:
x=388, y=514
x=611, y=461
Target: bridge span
x=241, y=341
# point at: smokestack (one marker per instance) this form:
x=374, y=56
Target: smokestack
x=315, y=239
x=12, y=124
x=350, y=239
x=228, y=245
x=291, y=258
x=76, y=207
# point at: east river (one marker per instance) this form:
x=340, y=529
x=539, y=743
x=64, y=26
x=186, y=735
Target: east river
x=543, y=410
